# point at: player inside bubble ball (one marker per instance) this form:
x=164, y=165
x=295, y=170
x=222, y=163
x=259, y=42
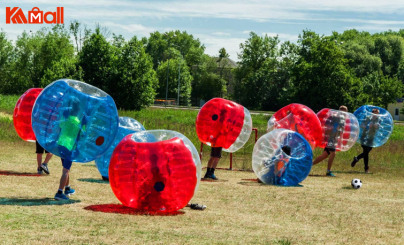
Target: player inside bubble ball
x=370, y=125
x=334, y=128
x=277, y=169
x=70, y=129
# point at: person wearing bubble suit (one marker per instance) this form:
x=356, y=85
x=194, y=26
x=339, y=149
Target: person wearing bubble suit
x=222, y=124
x=334, y=128
x=22, y=123
x=298, y=118
x=376, y=125
x=75, y=121
x=282, y=157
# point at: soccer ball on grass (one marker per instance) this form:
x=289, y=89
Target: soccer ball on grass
x=356, y=183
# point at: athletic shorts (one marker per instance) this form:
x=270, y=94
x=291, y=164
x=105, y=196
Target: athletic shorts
x=216, y=152
x=329, y=150
x=66, y=163
x=40, y=149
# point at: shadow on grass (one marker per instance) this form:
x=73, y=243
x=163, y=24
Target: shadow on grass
x=212, y=180
x=319, y=175
x=254, y=182
x=351, y=172
x=120, y=209
x=12, y=173
x=348, y=187
x=92, y=180
x=34, y=202
x=234, y=169
x=248, y=182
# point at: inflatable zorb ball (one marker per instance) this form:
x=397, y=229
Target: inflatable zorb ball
x=340, y=129
x=155, y=171
x=298, y=118
x=282, y=157
x=74, y=120
x=375, y=129
x=23, y=112
x=223, y=123
x=127, y=126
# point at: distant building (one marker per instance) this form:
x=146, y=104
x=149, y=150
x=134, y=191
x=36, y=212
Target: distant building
x=396, y=109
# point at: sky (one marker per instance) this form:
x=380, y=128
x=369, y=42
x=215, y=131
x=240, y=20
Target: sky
x=217, y=24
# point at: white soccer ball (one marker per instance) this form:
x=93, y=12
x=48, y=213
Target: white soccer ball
x=356, y=183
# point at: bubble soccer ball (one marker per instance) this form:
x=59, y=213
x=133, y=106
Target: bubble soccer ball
x=375, y=129
x=74, y=120
x=155, y=171
x=282, y=157
x=298, y=118
x=340, y=129
x=23, y=112
x=356, y=183
x=223, y=123
x=127, y=126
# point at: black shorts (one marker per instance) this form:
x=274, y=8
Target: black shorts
x=40, y=149
x=329, y=150
x=216, y=152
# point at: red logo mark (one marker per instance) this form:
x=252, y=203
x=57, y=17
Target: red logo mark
x=15, y=15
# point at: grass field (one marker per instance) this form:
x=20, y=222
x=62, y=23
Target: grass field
x=240, y=211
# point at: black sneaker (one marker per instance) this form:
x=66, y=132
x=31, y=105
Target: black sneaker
x=353, y=163
x=39, y=170
x=197, y=206
x=44, y=167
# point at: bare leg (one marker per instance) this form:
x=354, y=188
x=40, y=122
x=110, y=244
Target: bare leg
x=212, y=164
x=213, y=161
x=47, y=158
x=64, y=180
x=39, y=160
x=68, y=180
x=330, y=160
x=323, y=156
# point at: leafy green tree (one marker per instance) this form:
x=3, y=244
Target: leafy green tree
x=189, y=47
x=63, y=68
x=225, y=70
x=56, y=56
x=322, y=77
x=178, y=72
x=97, y=58
x=390, y=50
x=361, y=60
x=75, y=29
x=381, y=89
x=38, y=53
x=26, y=69
x=280, y=91
x=6, y=58
x=135, y=81
x=207, y=82
x=262, y=77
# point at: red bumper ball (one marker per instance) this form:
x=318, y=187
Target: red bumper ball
x=158, y=176
x=23, y=112
x=223, y=123
x=298, y=118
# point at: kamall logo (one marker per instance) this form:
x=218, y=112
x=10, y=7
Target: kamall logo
x=35, y=16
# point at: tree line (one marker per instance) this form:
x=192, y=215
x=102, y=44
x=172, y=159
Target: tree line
x=350, y=68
